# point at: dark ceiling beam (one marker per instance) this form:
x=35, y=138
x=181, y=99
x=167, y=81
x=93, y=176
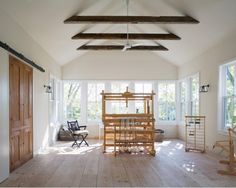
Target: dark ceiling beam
x=123, y=36
x=131, y=20
x=121, y=47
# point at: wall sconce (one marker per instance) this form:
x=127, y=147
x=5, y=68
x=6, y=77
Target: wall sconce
x=48, y=88
x=204, y=88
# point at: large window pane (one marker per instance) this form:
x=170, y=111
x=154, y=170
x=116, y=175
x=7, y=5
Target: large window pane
x=141, y=88
x=166, y=100
x=228, y=96
x=119, y=107
x=72, y=100
x=119, y=87
x=183, y=100
x=95, y=101
x=229, y=107
x=230, y=72
x=195, y=96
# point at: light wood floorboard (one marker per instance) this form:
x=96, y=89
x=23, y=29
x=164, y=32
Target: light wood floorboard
x=62, y=166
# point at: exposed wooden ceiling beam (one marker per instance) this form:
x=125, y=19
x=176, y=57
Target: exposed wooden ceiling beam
x=120, y=47
x=122, y=36
x=132, y=20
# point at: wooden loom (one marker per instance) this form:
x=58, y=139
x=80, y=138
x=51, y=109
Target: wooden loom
x=129, y=132
x=228, y=146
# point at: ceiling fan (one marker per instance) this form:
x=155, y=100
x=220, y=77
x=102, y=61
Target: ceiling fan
x=128, y=45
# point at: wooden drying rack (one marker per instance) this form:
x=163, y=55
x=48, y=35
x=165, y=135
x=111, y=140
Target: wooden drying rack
x=228, y=147
x=128, y=131
x=195, y=133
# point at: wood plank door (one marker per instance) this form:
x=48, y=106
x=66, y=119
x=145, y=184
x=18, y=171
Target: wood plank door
x=27, y=112
x=21, y=124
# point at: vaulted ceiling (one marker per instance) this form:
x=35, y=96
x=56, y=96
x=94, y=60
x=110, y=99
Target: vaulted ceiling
x=43, y=21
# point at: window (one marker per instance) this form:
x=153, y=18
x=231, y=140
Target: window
x=228, y=94
x=119, y=107
x=183, y=100
x=194, y=82
x=189, y=96
x=166, y=101
x=72, y=100
x=141, y=88
x=94, y=105
x=82, y=99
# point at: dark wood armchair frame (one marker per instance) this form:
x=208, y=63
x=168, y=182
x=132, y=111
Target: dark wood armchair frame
x=74, y=128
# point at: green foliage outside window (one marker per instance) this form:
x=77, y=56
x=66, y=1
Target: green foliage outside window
x=229, y=99
x=166, y=100
x=72, y=96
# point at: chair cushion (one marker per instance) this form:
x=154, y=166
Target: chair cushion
x=81, y=132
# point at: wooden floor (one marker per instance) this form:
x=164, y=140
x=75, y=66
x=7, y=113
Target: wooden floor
x=88, y=166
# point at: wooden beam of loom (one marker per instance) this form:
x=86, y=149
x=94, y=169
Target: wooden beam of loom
x=120, y=47
x=131, y=20
x=123, y=36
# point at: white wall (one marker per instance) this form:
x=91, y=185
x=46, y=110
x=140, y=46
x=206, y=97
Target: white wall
x=119, y=66
x=4, y=115
x=207, y=65
x=12, y=34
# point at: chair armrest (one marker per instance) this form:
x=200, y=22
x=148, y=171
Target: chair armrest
x=83, y=126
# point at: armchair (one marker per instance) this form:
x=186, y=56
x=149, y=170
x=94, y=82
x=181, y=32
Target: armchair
x=77, y=132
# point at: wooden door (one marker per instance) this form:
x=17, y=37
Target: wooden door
x=20, y=76
x=27, y=112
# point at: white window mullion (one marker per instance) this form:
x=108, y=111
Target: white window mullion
x=83, y=104
x=177, y=99
x=188, y=96
x=221, y=110
x=108, y=89
x=156, y=110
x=131, y=103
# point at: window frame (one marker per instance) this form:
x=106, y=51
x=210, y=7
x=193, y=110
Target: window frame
x=156, y=105
x=222, y=129
x=191, y=94
x=87, y=119
x=81, y=120
x=188, y=96
x=141, y=82
x=118, y=82
x=186, y=99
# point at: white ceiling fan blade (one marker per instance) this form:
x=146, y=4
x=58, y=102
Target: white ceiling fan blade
x=124, y=49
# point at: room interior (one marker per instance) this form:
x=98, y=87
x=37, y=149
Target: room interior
x=122, y=69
